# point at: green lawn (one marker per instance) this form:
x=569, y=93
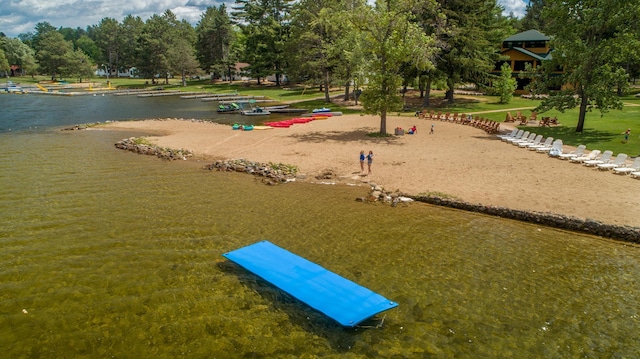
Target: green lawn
x=603, y=132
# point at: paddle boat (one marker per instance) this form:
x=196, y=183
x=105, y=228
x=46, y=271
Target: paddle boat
x=321, y=110
x=232, y=107
x=242, y=127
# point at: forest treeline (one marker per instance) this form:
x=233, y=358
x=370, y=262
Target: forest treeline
x=387, y=45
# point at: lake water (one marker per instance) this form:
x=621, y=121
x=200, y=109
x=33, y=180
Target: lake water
x=106, y=253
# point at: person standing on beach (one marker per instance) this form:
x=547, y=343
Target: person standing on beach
x=432, y=126
x=370, y=160
x=362, y=157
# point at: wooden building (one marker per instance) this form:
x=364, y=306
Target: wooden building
x=531, y=47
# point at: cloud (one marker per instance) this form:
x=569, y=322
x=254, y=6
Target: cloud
x=517, y=7
x=21, y=16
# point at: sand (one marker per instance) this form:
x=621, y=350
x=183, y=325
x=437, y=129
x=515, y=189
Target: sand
x=459, y=161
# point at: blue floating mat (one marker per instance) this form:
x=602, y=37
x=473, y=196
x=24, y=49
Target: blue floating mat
x=339, y=298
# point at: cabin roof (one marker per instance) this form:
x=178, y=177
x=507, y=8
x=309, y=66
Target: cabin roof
x=529, y=35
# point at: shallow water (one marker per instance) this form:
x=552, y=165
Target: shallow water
x=106, y=253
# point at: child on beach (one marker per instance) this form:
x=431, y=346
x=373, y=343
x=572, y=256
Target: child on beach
x=626, y=135
x=370, y=160
x=432, y=126
x=362, y=157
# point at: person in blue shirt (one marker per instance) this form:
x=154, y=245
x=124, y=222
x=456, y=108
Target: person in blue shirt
x=362, y=158
x=370, y=160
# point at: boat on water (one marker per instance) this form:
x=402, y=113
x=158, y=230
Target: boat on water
x=230, y=107
x=258, y=111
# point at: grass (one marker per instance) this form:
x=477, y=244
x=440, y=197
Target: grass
x=603, y=132
x=600, y=132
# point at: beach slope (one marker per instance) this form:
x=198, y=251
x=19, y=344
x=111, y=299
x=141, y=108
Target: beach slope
x=459, y=161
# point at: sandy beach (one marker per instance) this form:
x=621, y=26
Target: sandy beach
x=459, y=161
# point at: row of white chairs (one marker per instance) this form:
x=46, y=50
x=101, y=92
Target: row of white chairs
x=596, y=158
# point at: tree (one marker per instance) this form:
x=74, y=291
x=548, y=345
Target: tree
x=52, y=54
x=585, y=36
x=89, y=47
x=182, y=59
x=390, y=38
x=533, y=19
x=78, y=65
x=18, y=53
x=433, y=22
x=265, y=26
x=155, y=42
x=42, y=29
x=107, y=37
x=475, y=30
x=159, y=35
x=5, y=69
x=505, y=85
x=215, y=35
x=130, y=37
x=320, y=28
x=70, y=34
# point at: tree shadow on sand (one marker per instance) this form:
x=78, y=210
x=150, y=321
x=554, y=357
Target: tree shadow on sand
x=360, y=134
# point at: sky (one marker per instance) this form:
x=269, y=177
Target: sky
x=21, y=16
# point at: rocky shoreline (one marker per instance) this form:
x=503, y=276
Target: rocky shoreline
x=589, y=226
x=273, y=174
x=138, y=145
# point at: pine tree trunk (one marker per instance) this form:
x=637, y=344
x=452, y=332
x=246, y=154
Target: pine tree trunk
x=425, y=101
x=449, y=94
x=383, y=122
x=326, y=86
x=583, y=112
x=346, y=91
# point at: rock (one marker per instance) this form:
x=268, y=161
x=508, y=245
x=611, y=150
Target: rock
x=624, y=233
x=131, y=144
x=326, y=174
x=272, y=173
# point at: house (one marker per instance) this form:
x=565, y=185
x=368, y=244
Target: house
x=16, y=70
x=101, y=72
x=530, y=47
